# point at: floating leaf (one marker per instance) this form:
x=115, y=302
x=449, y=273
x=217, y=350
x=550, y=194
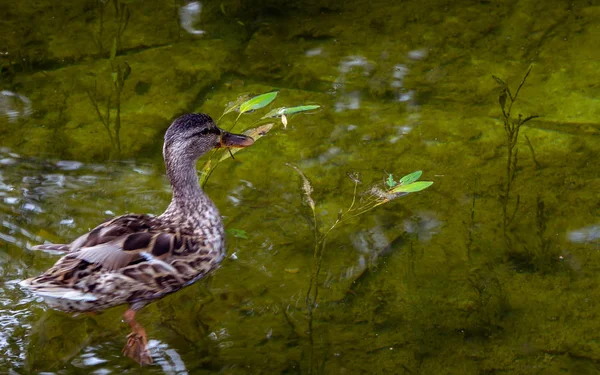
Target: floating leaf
x=410, y=178
x=258, y=102
x=300, y=108
x=411, y=188
x=284, y=121
x=289, y=111
x=255, y=133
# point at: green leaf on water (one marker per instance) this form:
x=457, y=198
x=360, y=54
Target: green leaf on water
x=412, y=187
x=278, y=112
x=300, y=108
x=258, y=102
x=409, y=178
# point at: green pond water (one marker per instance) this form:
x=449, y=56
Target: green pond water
x=470, y=276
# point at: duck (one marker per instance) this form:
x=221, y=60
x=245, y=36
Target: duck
x=136, y=259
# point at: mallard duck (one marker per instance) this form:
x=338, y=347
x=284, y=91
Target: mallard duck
x=137, y=259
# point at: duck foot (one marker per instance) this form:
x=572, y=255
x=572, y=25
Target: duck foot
x=136, y=341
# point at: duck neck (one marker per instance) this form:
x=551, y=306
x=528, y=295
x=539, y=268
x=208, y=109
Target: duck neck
x=188, y=196
x=191, y=209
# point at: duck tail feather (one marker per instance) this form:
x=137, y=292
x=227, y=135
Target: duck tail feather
x=56, y=292
x=53, y=248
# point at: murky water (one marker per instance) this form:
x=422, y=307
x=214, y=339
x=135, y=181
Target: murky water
x=469, y=276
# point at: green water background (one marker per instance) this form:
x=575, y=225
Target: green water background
x=426, y=284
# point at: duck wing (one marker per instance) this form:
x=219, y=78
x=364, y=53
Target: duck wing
x=111, y=246
x=130, y=248
x=105, y=232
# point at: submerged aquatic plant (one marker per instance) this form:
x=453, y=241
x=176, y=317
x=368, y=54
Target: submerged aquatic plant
x=375, y=197
x=511, y=128
x=122, y=15
x=119, y=73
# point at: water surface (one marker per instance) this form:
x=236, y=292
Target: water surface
x=454, y=279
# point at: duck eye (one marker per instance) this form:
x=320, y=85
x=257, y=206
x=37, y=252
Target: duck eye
x=206, y=131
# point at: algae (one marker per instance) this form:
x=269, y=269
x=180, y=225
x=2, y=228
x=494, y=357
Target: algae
x=426, y=285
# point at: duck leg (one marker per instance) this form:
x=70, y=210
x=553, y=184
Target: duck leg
x=136, y=340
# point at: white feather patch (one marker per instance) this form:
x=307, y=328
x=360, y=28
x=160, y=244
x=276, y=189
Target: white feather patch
x=69, y=294
x=25, y=283
x=152, y=260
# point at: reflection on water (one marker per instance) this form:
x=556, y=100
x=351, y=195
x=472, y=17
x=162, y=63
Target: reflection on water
x=348, y=84
x=14, y=105
x=29, y=188
x=95, y=360
x=349, y=99
x=589, y=234
x=27, y=184
x=189, y=15
x=314, y=52
x=14, y=317
x=423, y=224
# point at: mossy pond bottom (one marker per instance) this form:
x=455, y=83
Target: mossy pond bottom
x=404, y=289
x=492, y=269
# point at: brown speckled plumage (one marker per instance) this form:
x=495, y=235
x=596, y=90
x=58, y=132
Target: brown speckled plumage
x=136, y=259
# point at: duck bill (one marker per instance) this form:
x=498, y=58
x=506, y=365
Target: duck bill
x=234, y=140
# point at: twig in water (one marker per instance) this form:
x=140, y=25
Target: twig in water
x=537, y=165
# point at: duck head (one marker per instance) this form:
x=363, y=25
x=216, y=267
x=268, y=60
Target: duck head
x=194, y=134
